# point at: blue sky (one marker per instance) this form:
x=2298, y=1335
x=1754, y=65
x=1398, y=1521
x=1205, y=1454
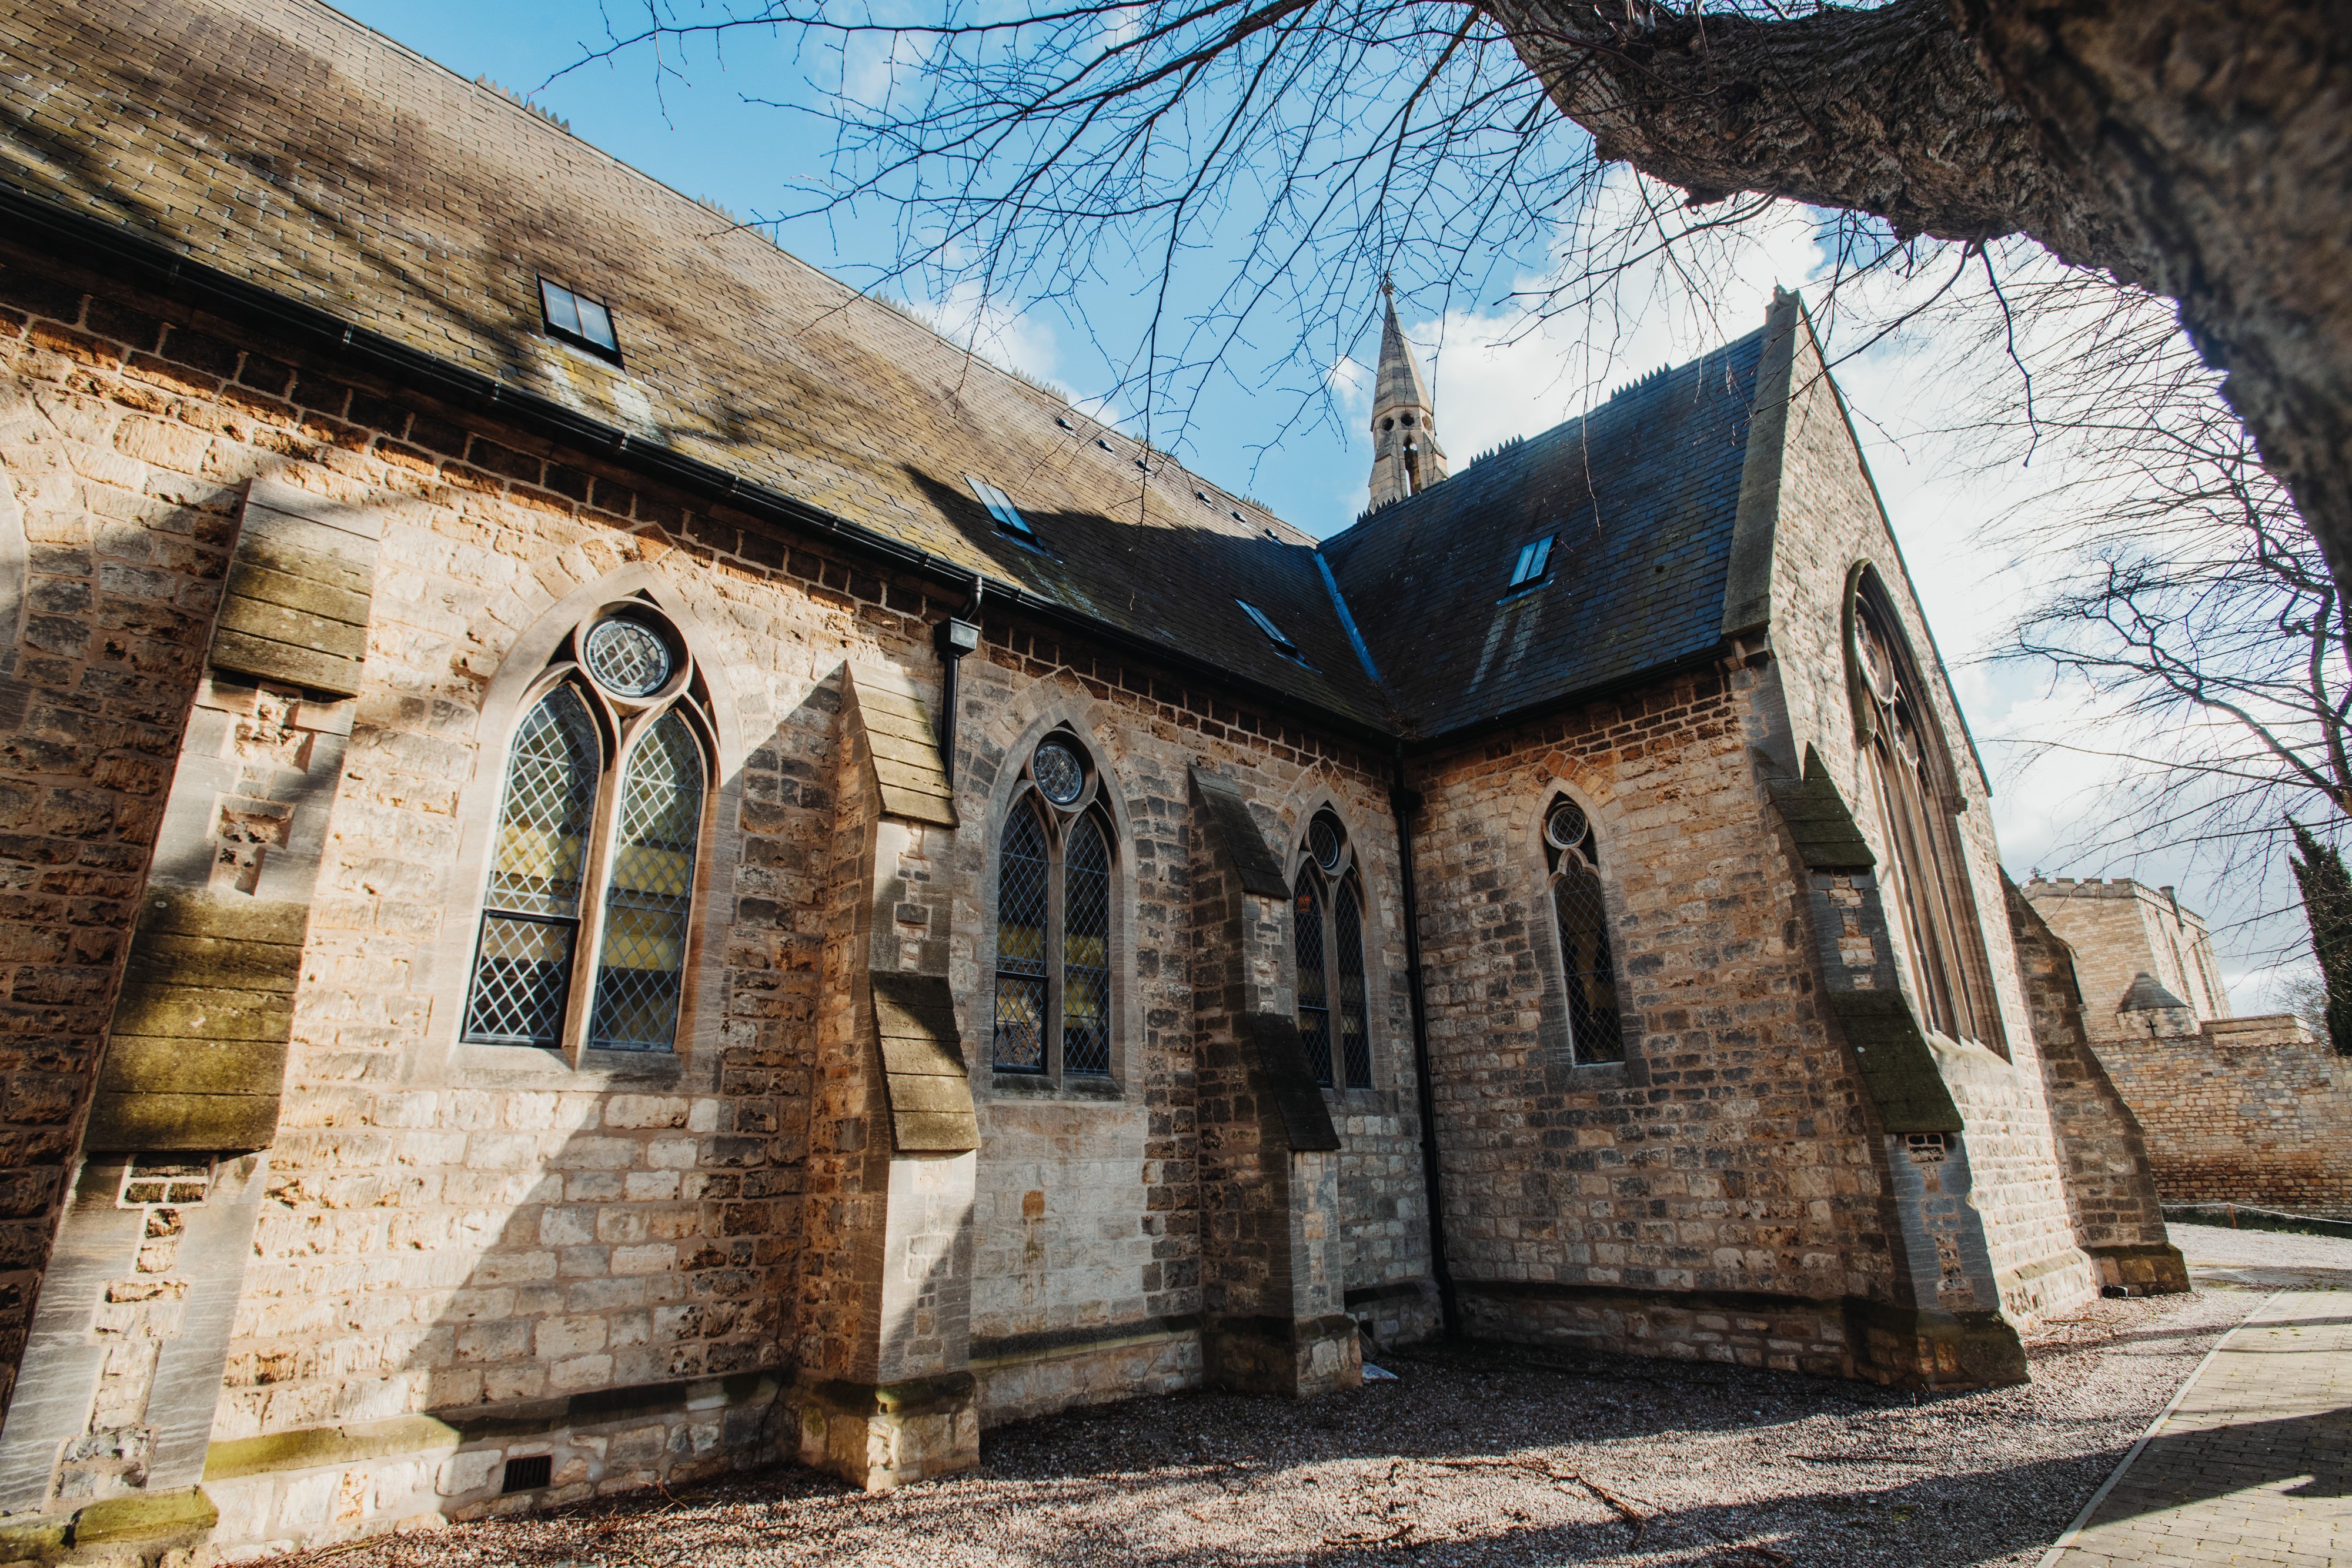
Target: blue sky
x=687, y=122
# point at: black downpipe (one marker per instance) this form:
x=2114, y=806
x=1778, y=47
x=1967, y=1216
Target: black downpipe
x=955, y=637
x=1403, y=804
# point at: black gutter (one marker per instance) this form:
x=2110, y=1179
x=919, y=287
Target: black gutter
x=1403, y=804
x=110, y=249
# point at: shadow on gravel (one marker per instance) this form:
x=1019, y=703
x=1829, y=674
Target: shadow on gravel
x=1477, y=1459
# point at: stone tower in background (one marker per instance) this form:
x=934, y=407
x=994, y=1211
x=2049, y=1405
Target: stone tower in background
x=1406, y=458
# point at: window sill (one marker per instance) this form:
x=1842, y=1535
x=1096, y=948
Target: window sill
x=1042, y=1086
x=525, y=1066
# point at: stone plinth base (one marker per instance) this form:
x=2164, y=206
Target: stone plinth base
x=2142, y=1270
x=133, y=1532
x=1907, y=1348
x=1834, y=1338
x=1297, y=1357
x=880, y=1435
x=1404, y=1313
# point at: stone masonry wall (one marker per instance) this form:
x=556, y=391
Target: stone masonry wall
x=113, y=542
x=2111, y=1190
x=2121, y=928
x=1729, y=1153
x=1088, y=1223
x=448, y=1227
x=2253, y=1111
x=1830, y=518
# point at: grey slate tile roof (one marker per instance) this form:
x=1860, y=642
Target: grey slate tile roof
x=284, y=144
x=1640, y=494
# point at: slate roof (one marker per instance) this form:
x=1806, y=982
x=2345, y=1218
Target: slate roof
x=1639, y=494
x=287, y=146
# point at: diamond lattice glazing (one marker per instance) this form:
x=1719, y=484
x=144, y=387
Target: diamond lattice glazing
x=628, y=657
x=642, y=962
x=1591, y=976
x=551, y=795
x=1021, y=916
x=1086, y=951
x=519, y=978
x=1355, y=1044
x=1314, y=984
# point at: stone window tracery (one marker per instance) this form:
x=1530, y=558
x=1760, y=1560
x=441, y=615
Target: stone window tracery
x=587, y=913
x=1327, y=932
x=1052, y=1013
x=1581, y=925
x=1903, y=754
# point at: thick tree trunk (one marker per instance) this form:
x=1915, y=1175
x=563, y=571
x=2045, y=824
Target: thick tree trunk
x=2198, y=148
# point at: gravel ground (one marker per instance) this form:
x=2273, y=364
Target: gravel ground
x=2264, y=1259
x=1471, y=1457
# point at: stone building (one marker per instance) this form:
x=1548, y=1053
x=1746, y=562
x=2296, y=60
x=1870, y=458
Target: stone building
x=621, y=863
x=2253, y=1111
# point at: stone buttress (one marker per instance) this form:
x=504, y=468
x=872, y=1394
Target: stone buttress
x=883, y=1392
x=1274, y=1317
x=1944, y=1326
x=115, y=1409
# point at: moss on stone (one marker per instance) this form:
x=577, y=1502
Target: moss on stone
x=151, y=1518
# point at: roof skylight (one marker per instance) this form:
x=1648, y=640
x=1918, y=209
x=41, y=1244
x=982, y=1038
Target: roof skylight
x=999, y=507
x=1534, y=558
x=576, y=319
x=1273, y=632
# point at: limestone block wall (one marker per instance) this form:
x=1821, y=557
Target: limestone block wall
x=2111, y=1192
x=1725, y=1168
x=2255, y=1111
x=114, y=532
x=450, y=1227
x=1087, y=1226
x=1829, y=518
x=2120, y=928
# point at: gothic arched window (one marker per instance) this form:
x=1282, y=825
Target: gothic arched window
x=1587, y=965
x=1903, y=756
x=1326, y=933
x=1053, y=919
x=601, y=821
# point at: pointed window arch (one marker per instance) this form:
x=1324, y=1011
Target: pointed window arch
x=1903, y=754
x=1326, y=933
x=1053, y=880
x=587, y=916
x=1588, y=962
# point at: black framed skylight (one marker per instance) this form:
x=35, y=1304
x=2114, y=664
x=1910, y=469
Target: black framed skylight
x=1273, y=632
x=999, y=507
x=576, y=319
x=1535, y=560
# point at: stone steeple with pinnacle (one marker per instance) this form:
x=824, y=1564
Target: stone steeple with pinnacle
x=1406, y=458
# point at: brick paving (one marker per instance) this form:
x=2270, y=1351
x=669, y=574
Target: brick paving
x=2254, y=1465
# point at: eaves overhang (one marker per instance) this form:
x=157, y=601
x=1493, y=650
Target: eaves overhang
x=120, y=252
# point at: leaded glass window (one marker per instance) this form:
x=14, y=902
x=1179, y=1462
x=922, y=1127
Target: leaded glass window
x=641, y=963
x=553, y=881
x=1054, y=986
x=1588, y=967
x=1022, y=903
x=1922, y=876
x=1327, y=935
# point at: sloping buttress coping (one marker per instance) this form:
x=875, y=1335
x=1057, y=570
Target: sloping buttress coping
x=923, y=1071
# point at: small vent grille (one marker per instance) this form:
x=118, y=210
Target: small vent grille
x=528, y=1475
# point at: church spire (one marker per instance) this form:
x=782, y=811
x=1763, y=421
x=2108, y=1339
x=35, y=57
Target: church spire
x=1406, y=458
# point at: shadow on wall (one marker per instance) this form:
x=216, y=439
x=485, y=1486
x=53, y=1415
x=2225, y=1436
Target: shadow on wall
x=595, y=1270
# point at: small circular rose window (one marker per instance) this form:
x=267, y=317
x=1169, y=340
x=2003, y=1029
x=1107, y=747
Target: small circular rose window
x=1061, y=777
x=1324, y=841
x=1566, y=826
x=628, y=658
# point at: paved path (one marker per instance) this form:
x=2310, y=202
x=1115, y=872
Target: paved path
x=2253, y=1463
